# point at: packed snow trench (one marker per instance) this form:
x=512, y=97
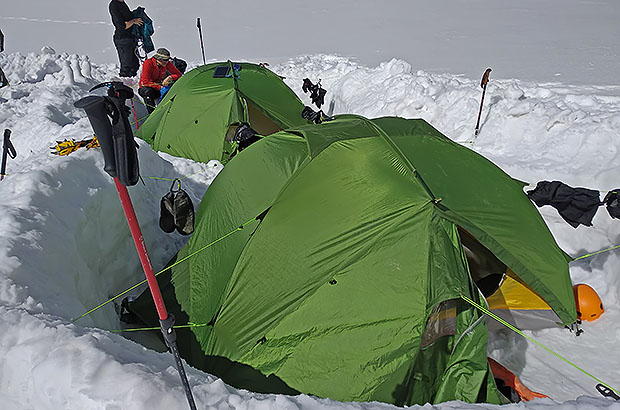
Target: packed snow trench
x=66, y=247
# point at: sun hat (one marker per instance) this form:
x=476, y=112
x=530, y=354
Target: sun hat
x=162, y=54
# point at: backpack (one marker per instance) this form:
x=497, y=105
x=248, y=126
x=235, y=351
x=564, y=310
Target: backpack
x=181, y=65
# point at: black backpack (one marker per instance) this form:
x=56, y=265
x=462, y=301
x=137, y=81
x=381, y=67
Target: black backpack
x=181, y=65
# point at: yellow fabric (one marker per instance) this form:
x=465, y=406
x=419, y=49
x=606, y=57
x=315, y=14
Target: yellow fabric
x=515, y=294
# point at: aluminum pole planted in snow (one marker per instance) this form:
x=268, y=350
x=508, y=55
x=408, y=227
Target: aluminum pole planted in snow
x=483, y=84
x=166, y=320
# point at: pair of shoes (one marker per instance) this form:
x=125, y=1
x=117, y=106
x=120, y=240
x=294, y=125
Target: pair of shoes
x=176, y=211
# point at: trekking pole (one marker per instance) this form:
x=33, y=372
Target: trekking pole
x=121, y=163
x=483, y=84
x=202, y=46
x=166, y=319
x=8, y=150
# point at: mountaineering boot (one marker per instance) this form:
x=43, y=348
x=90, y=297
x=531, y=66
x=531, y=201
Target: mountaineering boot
x=309, y=114
x=166, y=216
x=307, y=85
x=183, y=212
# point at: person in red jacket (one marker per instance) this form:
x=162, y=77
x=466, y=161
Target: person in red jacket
x=158, y=74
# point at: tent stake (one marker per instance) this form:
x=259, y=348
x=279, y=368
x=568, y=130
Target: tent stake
x=166, y=320
x=483, y=84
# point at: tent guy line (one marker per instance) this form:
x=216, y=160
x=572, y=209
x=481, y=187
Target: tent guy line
x=531, y=339
x=239, y=228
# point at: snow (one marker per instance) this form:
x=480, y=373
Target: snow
x=65, y=246
x=573, y=42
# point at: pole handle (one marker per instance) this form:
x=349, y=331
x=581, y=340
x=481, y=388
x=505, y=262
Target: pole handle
x=198, y=22
x=485, y=78
x=606, y=391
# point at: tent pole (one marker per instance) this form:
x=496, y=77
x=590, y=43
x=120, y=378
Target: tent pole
x=166, y=320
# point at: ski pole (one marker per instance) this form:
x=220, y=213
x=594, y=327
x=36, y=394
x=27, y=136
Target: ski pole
x=202, y=46
x=8, y=150
x=166, y=320
x=483, y=84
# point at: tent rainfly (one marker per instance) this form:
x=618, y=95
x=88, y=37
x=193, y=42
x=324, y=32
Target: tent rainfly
x=348, y=281
x=198, y=117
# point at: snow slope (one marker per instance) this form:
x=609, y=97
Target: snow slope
x=568, y=41
x=65, y=246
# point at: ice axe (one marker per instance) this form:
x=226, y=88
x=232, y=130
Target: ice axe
x=483, y=84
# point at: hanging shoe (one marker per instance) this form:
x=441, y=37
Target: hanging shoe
x=166, y=216
x=183, y=212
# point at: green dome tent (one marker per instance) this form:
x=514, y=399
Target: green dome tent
x=199, y=115
x=344, y=273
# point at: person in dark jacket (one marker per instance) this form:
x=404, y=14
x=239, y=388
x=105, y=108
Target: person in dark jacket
x=124, y=40
x=158, y=74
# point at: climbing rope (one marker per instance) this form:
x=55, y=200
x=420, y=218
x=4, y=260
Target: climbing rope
x=521, y=333
x=239, y=228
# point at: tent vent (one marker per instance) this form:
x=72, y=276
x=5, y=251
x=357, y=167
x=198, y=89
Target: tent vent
x=221, y=71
